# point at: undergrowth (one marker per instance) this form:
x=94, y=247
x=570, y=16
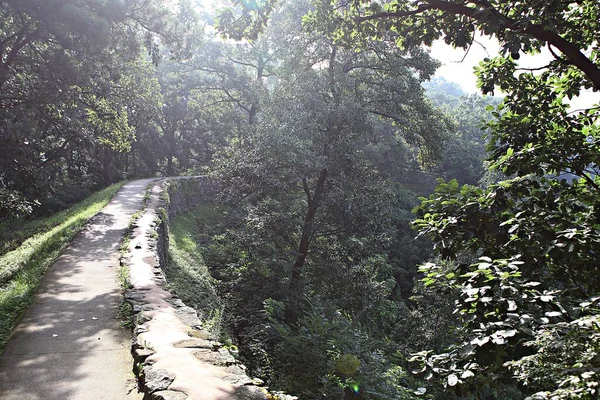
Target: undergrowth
x=40, y=242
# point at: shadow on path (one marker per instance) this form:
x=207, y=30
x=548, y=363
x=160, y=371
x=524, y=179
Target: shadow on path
x=65, y=342
x=69, y=344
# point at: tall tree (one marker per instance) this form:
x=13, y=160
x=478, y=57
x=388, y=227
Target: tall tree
x=533, y=292
x=307, y=148
x=533, y=233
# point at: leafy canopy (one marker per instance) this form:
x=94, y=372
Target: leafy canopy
x=521, y=252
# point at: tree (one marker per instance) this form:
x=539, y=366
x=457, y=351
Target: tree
x=208, y=98
x=536, y=138
x=63, y=114
x=318, y=204
x=519, y=26
x=309, y=139
x=521, y=251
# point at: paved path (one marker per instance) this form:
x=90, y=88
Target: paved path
x=69, y=343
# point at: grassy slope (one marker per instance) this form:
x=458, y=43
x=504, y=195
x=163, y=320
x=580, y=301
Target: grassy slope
x=41, y=241
x=187, y=273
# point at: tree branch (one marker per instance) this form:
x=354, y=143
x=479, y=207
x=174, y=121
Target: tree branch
x=242, y=63
x=397, y=14
x=570, y=50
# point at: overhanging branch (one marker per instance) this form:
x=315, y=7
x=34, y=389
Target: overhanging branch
x=571, y=51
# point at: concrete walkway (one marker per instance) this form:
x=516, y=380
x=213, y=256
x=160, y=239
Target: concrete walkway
x=69, y=343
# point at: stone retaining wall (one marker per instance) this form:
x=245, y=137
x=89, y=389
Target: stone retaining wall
x=175, y=358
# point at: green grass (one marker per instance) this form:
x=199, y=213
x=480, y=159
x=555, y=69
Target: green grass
x=187, y=273
x=41, y=242
x=125, y=314
x=16, y=231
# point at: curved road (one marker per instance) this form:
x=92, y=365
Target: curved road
x=69, y=343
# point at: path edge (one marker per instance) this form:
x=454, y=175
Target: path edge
x=201, y=354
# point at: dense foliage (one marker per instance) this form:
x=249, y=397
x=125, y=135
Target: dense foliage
x=77, y=88
x=520, y=252
x=323, y=129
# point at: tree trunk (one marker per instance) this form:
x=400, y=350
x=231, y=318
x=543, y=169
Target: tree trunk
x=291, y=312
x=255, y=106
x=252, y=113
x=170, y=165
x=170, y=137
x=134, y=164
x=105, y=168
